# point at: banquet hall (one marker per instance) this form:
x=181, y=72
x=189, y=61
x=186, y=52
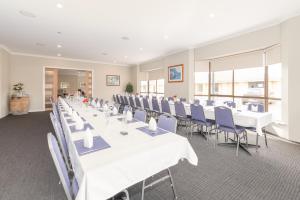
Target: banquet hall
x=150, y=100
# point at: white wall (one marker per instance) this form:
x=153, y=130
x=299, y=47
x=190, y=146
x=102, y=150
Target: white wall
x=29, y=70
x=290, y=52
x=4, y=82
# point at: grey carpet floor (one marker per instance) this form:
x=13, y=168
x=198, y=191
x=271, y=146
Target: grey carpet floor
x=28, y=173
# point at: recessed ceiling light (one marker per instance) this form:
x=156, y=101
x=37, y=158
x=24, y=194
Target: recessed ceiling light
x=58, y=32
x=212, y=15
x=125, y=38
x=59, y=5
x=166, y=37
x=141, y=49
x=59, y=55
x=27, y=14
x=104, y=54
x=59, y=46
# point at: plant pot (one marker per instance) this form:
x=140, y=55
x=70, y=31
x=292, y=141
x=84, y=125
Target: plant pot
x=19, y=105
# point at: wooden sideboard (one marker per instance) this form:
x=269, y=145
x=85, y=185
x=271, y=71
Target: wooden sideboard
x=19, y=105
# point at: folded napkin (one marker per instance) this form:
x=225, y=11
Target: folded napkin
x=88, y=140
x=254, y=108
x=129, y=116
x=98, y=105
x=115, y=111
x=105, y=107
x=78, y=120
x=152, y=124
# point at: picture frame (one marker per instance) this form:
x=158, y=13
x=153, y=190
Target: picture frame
x=112, y=80
x=176, y=73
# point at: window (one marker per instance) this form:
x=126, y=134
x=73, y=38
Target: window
x=153, y=87
x=201, y=83
x=221, y=82
x=144, y=87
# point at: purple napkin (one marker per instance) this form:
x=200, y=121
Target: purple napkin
x=146, y=130
x=73, y=128
x=99, y=144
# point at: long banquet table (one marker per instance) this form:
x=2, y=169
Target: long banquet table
x=243, y=118
x=129, y=160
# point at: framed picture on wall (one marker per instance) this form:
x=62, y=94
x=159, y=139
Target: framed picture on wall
x=112, y=80
x=175, y=73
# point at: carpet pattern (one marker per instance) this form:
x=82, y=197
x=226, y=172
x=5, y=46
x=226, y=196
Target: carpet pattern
x=28, y=173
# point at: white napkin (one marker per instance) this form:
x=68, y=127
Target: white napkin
x=88, y=140
x=152, y=124
x=98, y=104
x=105, y=107
x=129, y=115
x=254, y=108
x=115, y=111
x=79, y=121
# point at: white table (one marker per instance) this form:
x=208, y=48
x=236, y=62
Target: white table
x=129, y=160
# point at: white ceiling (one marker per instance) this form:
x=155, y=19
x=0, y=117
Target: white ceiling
x=90, y=28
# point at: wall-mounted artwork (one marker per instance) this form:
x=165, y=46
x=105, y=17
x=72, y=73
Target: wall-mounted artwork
x=112, y=80
x=176, y=73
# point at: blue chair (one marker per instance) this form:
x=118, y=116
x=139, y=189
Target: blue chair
x=131, y=102
x=114, y=98
x=199, y=119
x=230, y=104
x=126, y=100
x=122, y=99
x=55, y=112
x=183, y=99
x=225, y=124
x=70, y=186
x=138, y=102
x=165, y=107
x=140, y=115
x=167, y=122
x=61, y=139
x=183, y=119
x=170, y=99
x=146, y=104
x=210, y=102
x=155, y=106
x=118, y=99
x=197, y=102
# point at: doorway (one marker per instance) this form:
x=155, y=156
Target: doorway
x=66, y=82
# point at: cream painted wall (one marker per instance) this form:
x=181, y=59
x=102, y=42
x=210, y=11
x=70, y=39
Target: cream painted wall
x=180, y=89
x=29, y=70
x=4, y=82
x=290, y=48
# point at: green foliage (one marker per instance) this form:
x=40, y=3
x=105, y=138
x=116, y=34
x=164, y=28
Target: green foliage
x=129, y=88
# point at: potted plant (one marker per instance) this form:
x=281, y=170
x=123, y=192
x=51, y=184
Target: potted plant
x=129, y=88
x=18, y=90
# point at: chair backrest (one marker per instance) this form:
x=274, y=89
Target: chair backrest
x=146, y=103
x=165, y=107
x=123, y=100
x=230, y=104
x=223, y=117
x=155, y=105
x=260, y=107
x=114, y=98
x=210, y=102
x=60, y=166
x=55, y=111
x=140, y=115
x=183, y=99
x=197, y=112
x=126, y=100
x=137, y=102
x=118, y=99
x=179, y=109
x=131, y=101
x=126, y=108
x=61, y=138
x=170, y=99
x=197, y=101
x=167, y=122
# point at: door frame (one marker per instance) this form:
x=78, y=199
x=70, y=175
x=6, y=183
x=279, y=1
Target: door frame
x=70, y=68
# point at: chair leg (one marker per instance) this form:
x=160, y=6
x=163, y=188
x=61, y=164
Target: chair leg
x=237, y=146
x=143, y=190
x=172, y=184
x=265, y=133
x=256, y=141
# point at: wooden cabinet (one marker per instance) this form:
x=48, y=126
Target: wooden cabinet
x=19, y=105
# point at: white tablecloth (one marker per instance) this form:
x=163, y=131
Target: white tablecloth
x=130, y=159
